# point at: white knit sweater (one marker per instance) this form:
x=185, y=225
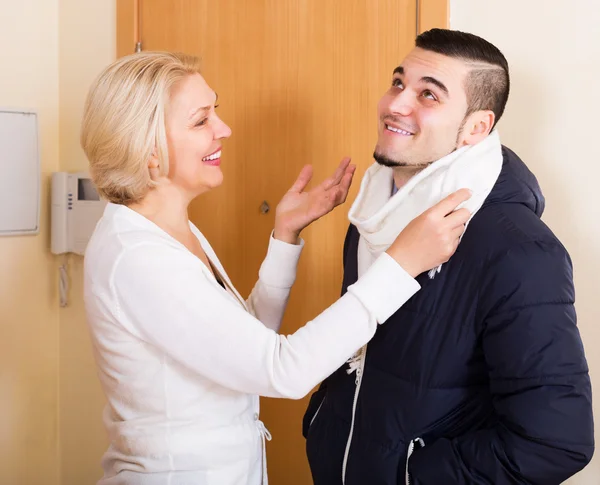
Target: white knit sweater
x=181, y=360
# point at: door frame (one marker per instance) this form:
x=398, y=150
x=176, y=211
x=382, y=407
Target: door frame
x=431, y=13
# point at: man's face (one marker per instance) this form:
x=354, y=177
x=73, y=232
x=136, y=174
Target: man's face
x=422, y=114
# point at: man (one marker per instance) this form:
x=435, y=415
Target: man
x=480, y=378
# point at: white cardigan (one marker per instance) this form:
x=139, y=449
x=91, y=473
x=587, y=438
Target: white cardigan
x=181, y=360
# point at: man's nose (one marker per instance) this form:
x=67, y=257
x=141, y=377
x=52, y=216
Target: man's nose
x=402, y=104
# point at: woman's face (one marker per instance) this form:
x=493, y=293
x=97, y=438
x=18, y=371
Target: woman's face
x=194, y=134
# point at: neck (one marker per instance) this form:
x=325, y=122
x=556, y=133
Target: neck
x=167, y=207
x=403, y=174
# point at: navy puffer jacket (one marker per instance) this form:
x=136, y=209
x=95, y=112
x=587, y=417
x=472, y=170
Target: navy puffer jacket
x=482, y=373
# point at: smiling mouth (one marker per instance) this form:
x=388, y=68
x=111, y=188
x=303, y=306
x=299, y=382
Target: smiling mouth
x=398, y=130
x=213, y=157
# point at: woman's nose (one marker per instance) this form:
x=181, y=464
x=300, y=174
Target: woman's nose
x=221, y=129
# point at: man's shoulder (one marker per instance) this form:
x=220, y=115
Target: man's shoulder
x=499, y=228
x=522, y=262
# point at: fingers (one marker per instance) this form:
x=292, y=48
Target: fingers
x=347, y=178
x=338, y=174
x=450, y=203
x=458, y=218
x=457, y=232
x=341, y=191
x=303, y=179
x=341, y=170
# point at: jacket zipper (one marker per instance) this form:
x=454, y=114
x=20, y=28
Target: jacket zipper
x=358, y=381
x=315, y=416
x=411, y=449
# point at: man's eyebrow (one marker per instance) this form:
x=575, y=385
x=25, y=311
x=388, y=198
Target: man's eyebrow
x=427, y=80
x=435, y=82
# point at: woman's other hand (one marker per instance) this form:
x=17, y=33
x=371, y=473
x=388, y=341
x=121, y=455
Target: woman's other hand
x=299, y=208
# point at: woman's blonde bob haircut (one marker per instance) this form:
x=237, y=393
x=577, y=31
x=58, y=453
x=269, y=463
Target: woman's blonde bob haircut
x=124, y=122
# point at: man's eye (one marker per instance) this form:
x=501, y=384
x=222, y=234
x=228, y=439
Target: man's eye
x=397, y=83
x=202, y=122
x=429, y=95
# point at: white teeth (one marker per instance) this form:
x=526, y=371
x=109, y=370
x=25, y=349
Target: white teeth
x=398, y=130
x=214, y=156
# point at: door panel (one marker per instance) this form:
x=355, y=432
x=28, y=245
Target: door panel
x=298, y=82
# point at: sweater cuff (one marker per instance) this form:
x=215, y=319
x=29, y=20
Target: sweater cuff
x=384, y=287
x=279, y=267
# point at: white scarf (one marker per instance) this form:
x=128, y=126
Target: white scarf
x=380, y=219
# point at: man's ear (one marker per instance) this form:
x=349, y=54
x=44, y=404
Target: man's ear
x=476, y=127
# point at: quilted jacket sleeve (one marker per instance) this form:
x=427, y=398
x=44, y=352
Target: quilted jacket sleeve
x=538, y=378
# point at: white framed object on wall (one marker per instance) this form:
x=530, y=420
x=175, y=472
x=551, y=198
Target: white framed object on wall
x=19, y=172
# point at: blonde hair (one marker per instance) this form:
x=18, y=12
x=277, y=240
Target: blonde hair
x=124, y=121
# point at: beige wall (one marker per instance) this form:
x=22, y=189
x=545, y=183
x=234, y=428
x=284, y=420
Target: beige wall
x=49, y=426
x=553, y=49
x=28, y=310
x=87, y=44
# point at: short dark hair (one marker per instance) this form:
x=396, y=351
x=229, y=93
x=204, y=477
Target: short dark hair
x=488, y=83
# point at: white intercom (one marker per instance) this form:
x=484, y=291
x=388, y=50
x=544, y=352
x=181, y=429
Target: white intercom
x=76, y=209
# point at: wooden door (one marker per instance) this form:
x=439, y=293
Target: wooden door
x=298, y=82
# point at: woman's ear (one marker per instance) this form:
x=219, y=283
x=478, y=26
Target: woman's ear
x=154, y=166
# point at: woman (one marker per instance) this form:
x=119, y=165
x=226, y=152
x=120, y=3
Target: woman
x=181, y=356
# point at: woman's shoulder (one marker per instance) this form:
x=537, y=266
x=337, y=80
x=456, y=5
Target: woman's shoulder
x=121, y=233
